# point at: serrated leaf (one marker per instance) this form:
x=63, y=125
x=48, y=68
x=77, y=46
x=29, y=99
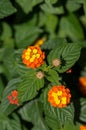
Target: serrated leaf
x=83, y=110
x=2, y=116
x=27, y=5
x=6, y=35
x=7, y=32
x=52, y=76
x=5, y=106
x=27, y=111
x=70, y=26
x=22, y=69
x=51, y=1
x=72, y=5
x=26, y=34
x=53, y=43
x=14, y=123
x=29, y=86
x=1, y=88
x=56, y=117
x=49, y=20
x=9, y=124
x=10, y=62
x=6, y=8
x=1, y=53
x=47, y=7
x=68, y=54
x=83, y=19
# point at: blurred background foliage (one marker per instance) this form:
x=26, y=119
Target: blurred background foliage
x=22, y=23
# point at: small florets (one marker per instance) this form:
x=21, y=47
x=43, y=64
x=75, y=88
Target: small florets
x=13, y=97
x=83, y=127
x=33, y=57
x=59, y=96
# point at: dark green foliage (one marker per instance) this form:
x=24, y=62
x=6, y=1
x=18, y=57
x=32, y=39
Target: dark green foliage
x=62, y=26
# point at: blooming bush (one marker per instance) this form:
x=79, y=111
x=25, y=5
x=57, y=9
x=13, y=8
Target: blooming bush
x=43, y=65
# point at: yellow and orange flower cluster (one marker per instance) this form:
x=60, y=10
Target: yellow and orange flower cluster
x=82, y=127
x=13, y=97
x=82, y=85
x=59, y=96
x=33, y=57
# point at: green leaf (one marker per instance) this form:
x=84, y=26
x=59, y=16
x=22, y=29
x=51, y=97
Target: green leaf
x=83, y=110
x=6, y=8
x=49, y=20
x=10, y=62
x=52, y=76
x=56, y=117
x=53, y=43
x=26, y=34
x=72, y=127
x=1, y=88
x=70, y=26
x=22, y=69
x=72, y=5
x=14, y=123
x=47, y=7
x=83, y=19
x=29, y=86
x=5, y=106
x=7, y=32
x=9, y=124
x=27, y=5
x=6, y=36
x=68, y=54
x=27, y=111
x=2, y=116
x=51, y=1
x=1, y=53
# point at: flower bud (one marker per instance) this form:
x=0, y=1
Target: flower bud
x=40, y=75
x=56, y=62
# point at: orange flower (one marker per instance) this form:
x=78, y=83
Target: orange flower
x=82, y=85
x=82, y=81
x=59, y=96
x=82, y=127
x=33, y=57
x=13, y=98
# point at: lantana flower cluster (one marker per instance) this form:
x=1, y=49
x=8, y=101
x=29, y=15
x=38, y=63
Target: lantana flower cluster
x=13, y=97
x=59, y=96
x=83, y=127
x=33, y=57
x=82, y=85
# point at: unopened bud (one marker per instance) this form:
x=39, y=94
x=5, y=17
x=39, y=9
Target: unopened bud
x=40, y=75
x=56, y=62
